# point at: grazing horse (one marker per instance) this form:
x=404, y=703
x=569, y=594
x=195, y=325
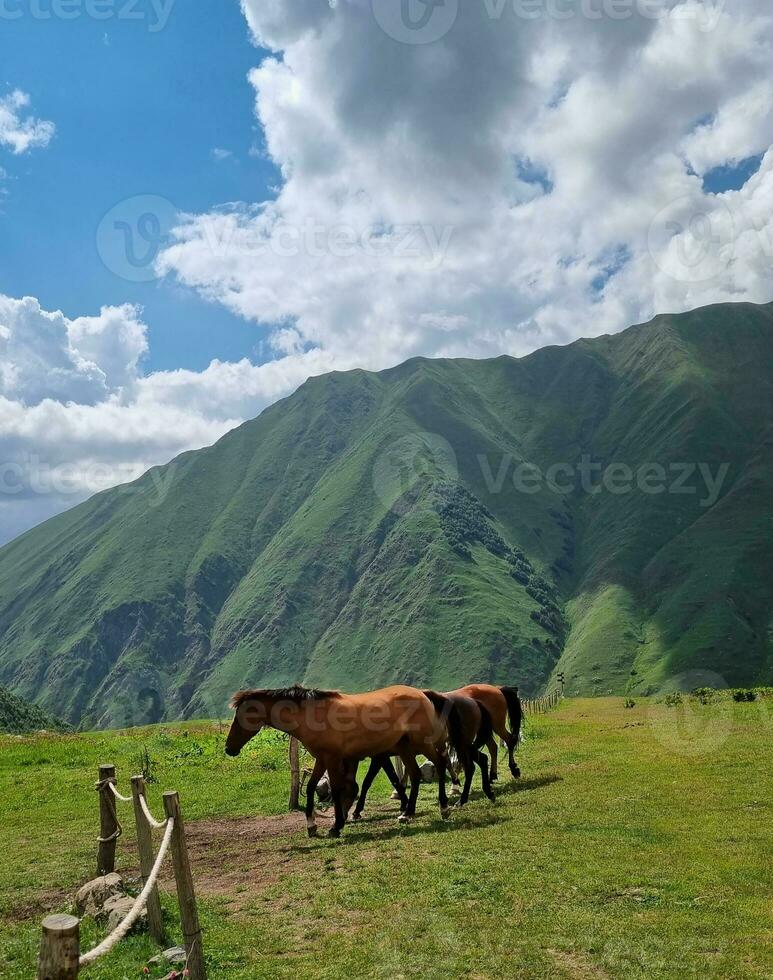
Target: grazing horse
x=469, y=727
x=503, y=704
x=340, y=730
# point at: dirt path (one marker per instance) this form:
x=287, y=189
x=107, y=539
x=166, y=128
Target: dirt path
x=229, y=857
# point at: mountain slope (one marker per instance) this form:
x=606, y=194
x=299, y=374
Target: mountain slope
x=19, y=717
x=383, y=527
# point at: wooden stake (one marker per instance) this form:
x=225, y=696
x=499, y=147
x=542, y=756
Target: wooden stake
x=147, y=859
x=107, y=824
x=59, y=948
x=186, y=895
x=295, y=776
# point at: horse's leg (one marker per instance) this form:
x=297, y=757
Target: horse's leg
x=338, y=784
x=402, y=776
x=469, y=772
x=311, y=789
x=512, y=742
x=394, y=779
x=351, y=789
x=492, y=748
x=412, y=768
x=375, y=767
x=482, y=761
x=438, y=756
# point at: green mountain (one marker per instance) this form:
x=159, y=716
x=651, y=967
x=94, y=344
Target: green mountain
x=601, y=509
x=20, y=717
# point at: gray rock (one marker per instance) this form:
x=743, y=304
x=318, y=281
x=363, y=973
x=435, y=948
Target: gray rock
x=91, y=898
x=428, y=773
x=176, y=956
x=117, y=908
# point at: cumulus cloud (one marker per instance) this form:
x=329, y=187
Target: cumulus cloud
x=18, y=130
x=77, y=414
x=522, y=179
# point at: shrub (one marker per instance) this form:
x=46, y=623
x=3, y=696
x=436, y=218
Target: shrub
x=674, y=699
x=706, y=695
x=744, y=694
x=629, y=703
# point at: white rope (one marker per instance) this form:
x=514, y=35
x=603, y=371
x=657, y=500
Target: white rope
x=136, y=910
x=156, y=824
x=118, y=796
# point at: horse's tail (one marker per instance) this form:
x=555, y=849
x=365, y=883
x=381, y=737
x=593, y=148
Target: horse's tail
x=486, y=730
x=514, y=711
x=448, y=710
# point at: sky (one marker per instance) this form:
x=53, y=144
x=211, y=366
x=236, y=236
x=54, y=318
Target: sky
x=201, y=205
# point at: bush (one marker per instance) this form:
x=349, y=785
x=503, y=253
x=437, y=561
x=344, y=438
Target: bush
x=674, y=699
x=706, y=695
x=741, y=694
x=629, y=703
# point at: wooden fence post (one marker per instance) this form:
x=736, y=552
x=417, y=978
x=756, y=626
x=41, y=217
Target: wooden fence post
x=295, y=776
x=147, y=859
x=108, y=826
x=186, y=895
x=59, y=948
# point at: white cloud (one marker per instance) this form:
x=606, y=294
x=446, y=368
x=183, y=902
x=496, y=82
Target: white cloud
x=621, y=117
x=77, y=415
x=18, y=130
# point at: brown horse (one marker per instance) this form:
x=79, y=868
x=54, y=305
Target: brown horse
x=340, y=730
x=504, y=705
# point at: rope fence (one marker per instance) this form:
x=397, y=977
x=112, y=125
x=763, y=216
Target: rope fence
x=60, y=957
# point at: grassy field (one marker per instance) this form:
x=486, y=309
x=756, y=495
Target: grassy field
x=637, y=844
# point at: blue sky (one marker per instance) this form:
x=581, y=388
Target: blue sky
x=137, y=112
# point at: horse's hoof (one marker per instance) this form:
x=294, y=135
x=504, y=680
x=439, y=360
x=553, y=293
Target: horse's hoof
x=494, y=778
x=403, y=818
x=395, y=795
x=455, y=791
x=333, y=832
x=516, y=773
x=445, y=812
x=356, y=817
x=312, y=831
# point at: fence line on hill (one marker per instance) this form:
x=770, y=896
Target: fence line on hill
x=539, y=706
x=60, y=957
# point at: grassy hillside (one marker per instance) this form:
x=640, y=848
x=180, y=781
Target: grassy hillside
x=636, y=845
x=389, y=527
x=19, y=717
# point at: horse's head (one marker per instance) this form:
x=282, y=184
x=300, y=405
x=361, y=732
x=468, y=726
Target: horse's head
x=249, y=718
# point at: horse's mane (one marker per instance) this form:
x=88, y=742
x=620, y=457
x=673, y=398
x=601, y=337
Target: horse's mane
x=295, y=693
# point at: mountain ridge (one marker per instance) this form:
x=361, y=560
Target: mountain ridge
x=298, y=548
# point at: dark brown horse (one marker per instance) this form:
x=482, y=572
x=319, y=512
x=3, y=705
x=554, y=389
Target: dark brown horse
x=340, y=730
x=469, y=727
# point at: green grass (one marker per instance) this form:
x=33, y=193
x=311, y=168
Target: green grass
x=637, y=845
